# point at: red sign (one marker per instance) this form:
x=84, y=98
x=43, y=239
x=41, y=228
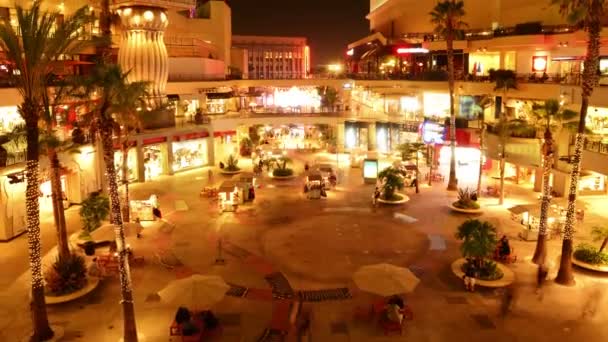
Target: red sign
x=156, y=140
x=191, y=136
x=223, y=133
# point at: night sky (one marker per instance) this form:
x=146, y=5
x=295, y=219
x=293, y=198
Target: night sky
x=329, y=25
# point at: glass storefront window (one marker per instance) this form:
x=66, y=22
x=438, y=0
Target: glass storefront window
x=190, y=153
x=131, y=164
x=9, y=118
x=436, y=105
x=592, y=182
x=216, y=106
x=153, y=166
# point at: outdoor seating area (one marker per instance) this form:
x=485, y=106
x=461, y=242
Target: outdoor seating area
x=195, y=325
x=389, y=315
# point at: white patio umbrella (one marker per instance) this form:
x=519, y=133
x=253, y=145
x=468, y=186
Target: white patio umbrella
x=200, y=291
x=385, y=279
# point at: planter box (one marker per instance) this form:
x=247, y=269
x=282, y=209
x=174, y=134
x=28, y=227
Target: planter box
x=92, y=283
x=508, y=277
x=587, y=266
x=230, y=173
x=404, y=199
x=465, y=211
x=282, y=177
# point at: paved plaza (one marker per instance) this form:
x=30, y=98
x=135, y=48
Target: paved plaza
x=283, y=243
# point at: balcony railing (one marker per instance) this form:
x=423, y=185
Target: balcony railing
x=184, y=4
x=482, y=34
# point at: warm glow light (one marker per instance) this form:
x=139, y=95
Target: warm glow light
x=163, y=17
x=127, y=11
x=539, y=63
x=136, y=19
x=334, y=67
x=402, y=51
x=350, y=52
x=148, y=16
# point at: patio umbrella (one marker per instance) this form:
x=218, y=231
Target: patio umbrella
x=385, y=279
x=200, y=291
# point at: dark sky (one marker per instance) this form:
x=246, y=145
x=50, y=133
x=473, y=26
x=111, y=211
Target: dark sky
x=329, y=25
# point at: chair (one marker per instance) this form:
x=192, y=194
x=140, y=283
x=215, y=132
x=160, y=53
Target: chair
x=389, y=327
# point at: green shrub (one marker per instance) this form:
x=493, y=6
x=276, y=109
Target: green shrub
x=394, y=197
x=282, y=172
x=488, y=270
x=232, y=164
x=465, y=199
x=589, y=254
x=66, y=275
x=94, y=210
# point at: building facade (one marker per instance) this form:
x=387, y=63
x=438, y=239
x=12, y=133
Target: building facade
x=271, y=57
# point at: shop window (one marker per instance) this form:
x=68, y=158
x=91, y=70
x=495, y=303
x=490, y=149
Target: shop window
x=152, y=161
x=190, y=153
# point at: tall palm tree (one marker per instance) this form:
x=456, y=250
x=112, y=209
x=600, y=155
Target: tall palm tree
x=447, y=17
x=505, y=81
x=128, y=108
x=110, y=84
x=549, y=116
x=480, y=109
x=587, y=14
x=40, y=40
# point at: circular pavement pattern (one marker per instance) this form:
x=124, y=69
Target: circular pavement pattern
x=332, y=247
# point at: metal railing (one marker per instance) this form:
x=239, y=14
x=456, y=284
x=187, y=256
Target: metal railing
x=599, y=146
x=488, y=33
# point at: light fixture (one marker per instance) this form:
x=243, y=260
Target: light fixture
x=403, y=50
x=148, y=16
x=127, y=11
x=350, y=52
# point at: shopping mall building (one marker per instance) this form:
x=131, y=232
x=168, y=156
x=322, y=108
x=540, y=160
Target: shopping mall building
x=395, y=92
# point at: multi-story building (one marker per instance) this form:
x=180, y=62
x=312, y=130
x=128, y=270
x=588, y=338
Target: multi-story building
x=269, y=57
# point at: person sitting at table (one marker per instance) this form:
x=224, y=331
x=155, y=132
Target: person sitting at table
x=504, y=248
x=209, y=320
x=394, y=313
x=397, y=300
x=182, y=315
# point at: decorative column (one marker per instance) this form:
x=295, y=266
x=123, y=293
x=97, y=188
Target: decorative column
x=142, y=50
x=371, y=137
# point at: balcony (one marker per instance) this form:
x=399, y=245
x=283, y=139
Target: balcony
x=174, y=4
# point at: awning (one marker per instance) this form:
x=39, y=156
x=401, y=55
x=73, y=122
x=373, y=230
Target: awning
x=372, y=37
x=173, y=97
x=217, y=96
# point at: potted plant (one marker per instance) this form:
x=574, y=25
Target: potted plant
x=392, y=180
x=478, y=243
x=467, y=202
x=588, y=256
x=66, y=275
x=281, y=170
x=231, y=165
x=93, y=211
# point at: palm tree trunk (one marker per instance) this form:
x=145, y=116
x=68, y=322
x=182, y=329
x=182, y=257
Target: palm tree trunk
x=452, y=181
x=417, y=174
x=40, y=321
x=58, y=212
x=564, y=275
x=126, y=213
x=541, y=244
x=604, y=243
x=130, y=328
x=501, y=197
x=430, y=159
x=481, y=133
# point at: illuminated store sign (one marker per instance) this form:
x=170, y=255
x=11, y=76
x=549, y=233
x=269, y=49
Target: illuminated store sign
x=432, y=133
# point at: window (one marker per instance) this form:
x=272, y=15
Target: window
x=5, y=13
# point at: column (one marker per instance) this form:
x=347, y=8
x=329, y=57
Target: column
x=167, y=155
x=538, y=179
x=371, y=136
x=142, y=48
x=141, y=168
x=340, y=137
x=211, y=147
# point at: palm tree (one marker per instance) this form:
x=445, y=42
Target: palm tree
x=480, y=108
x=413, y=151
x=548, y=115
x=587, y=14
x=128, y=109
x=109, y=82
x=600, y=233
x=32, y=49
x=447, y=17
x=505, y=80
x=478, y=240
x=392, y=180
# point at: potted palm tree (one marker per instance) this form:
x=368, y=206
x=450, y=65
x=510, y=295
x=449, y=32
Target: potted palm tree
x=281, y=171
x=591, y=257
x=478, y=243
x=232, y=167
x=392, y=180
x=466, y=203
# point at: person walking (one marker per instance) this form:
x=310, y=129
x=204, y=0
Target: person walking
x=541, y=277
x=138, y=227
x=375, y=197
x=508, y=297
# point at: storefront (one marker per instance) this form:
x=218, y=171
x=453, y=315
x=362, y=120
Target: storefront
x=294, y=99
x=131, y=164
x=153, y=157
x=46, y=191
x=221, y=102
x=9, y=119
x=436, y=105
x=481, y=62
x=355, y=135
x=190, y=151
x=592, y=183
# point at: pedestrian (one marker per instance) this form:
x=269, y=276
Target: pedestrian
x=508, y=297
x=376, y=196
x=541, y=276
x=469, y=279
x=209, y=175
x=138, y=227
x=222, y=165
